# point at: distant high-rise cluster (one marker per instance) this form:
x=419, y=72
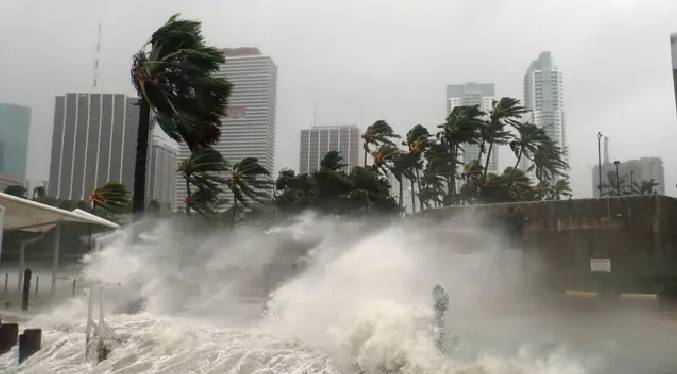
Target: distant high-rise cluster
x=248, y=129
x=470, y=93
x=317, y=141
x=15, y=121
x=94, y=142
x=631, y=174
x=543, y=97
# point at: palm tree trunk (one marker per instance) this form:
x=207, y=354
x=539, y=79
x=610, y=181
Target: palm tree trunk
x=401, y=198
x=413, y=196
x=519, y=158
x=418, y=181
x=188, y=198
x=454, y=154
x=141, y=153
x=486, y=163
x=234, y=210
x=366, y=150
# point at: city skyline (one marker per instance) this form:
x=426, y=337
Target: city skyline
x=351, y=77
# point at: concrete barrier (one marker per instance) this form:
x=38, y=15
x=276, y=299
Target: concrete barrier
x=8, y=336
x=29, y=343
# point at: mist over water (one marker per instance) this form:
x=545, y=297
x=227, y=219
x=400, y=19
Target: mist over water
x=346, y=296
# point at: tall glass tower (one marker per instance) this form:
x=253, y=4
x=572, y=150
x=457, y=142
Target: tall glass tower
x=15, y=121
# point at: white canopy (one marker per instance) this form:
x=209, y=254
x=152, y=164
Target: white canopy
x=27, y=215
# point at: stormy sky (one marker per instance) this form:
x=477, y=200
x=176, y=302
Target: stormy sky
x=359, y=61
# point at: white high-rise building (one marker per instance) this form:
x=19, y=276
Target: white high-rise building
x=543, y=97
x=94, y=142
x=317, y=141
x=248, y=129
x=470, y=93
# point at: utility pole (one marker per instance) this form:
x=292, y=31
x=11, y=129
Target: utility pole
x=599, y=155
x=618, y=182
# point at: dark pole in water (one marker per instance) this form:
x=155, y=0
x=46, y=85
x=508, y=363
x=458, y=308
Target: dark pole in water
x=26, y=289
x=441, y=304
x=8, y=335
x=37, y=284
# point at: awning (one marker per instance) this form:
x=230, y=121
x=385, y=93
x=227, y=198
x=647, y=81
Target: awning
x=27, y=215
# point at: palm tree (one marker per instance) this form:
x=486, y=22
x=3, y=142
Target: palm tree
x=112, y=197
x=248, y=182
x=379, y=133
x=502, y=113
x=432, y=188
x=202, y=169
x=417, y=141
x=332, y=161
x=548, y=162
x=647, y=187
x=561, y=188
x=525, y=143
x=173, y=76
x=462, y=126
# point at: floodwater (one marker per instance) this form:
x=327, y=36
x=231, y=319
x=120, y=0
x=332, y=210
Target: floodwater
x=346, y=297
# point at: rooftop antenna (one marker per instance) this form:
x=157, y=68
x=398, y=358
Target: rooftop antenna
x=97, y=59
x=315, y=117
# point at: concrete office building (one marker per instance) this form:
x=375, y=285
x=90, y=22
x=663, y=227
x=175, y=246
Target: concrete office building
x=317, y=141
x=248, y=129
x=543, y=97
x=94, y=142
x=15, y=121
x=481, y=94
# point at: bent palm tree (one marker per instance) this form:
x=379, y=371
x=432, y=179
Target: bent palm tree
x=248, y=181
x=503, y=112
x=525, y=144
x=379, y=133
x=417, y=141
x=112, y=197
x=332, y=161
x=173, y=76
x=202, y=169
x=462, y=126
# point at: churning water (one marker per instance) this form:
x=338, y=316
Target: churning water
x=345, y=297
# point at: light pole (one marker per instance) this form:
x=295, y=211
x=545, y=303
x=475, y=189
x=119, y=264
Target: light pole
x=632, y=188
x=618, y=190
x=599, y=156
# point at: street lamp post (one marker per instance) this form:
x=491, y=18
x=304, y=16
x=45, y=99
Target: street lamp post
x=599, y=156
x=618, y=184
x=631, y=185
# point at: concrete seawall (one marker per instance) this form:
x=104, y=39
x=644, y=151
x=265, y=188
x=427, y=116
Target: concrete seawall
x=638, y=234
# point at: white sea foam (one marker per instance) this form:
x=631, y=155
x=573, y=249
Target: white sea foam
x=358, y=300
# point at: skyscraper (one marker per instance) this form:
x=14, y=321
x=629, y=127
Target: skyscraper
x=543, y=96
x=248, y=129
x=94, y=142
x=161, y=169
x=316, y=142
x=470, y=93
x=673, y=44
x=15, y=121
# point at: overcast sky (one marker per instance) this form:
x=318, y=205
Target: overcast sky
x=363, y=60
